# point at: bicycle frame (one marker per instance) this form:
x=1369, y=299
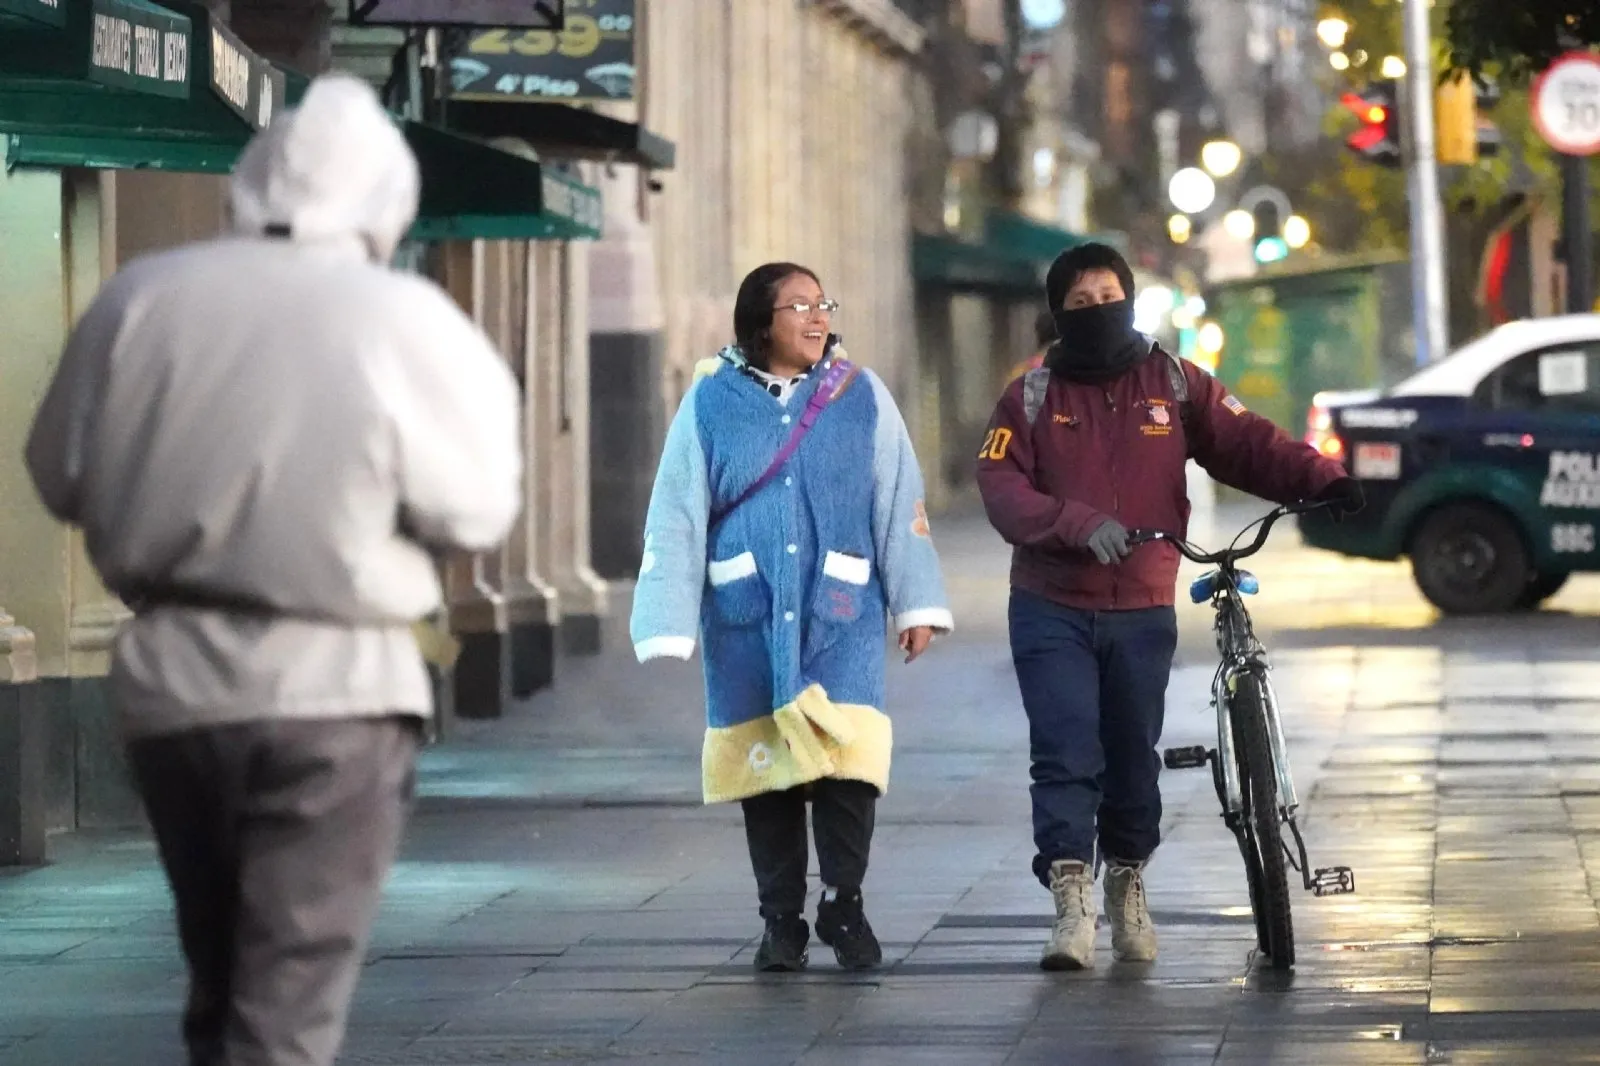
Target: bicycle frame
x=1243, y=654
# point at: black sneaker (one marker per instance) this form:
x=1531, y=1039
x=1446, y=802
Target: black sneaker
x=783, y=945
x=843, y=926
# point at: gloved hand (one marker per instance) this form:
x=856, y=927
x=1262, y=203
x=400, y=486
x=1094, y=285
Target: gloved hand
x=1109, y=542
x=1346, y=495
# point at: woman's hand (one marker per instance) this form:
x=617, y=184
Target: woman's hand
x=915, y=641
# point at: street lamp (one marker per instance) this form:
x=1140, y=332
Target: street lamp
x=1220, y=158
x=1339, y=61
x=1179, y=228
x=1333, y=31
x=1239, y=224
x=1296, y=232
x=1392, y=67
x=1191, y=190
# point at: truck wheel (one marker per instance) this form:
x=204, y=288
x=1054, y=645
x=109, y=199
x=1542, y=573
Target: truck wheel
x=1468, y=558
x=1541, y=588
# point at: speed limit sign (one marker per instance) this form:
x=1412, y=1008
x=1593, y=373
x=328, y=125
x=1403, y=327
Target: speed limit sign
x=1566, y=104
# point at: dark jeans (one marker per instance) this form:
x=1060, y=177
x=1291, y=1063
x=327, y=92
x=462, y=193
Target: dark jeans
x=1094, y=685
x=277, y=837
x=775, y=825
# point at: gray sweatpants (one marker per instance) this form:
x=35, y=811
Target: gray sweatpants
x=277, y=837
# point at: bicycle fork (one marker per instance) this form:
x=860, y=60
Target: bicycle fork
x=1322, y=881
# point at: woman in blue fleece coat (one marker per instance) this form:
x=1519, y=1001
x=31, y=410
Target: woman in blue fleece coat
x=790, y=592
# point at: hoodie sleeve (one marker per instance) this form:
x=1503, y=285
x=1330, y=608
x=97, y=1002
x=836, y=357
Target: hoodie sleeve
x=62, y=435
x=907, y=561
x=454, y=415
x=1251, y=453
x=1022, y=514
x=672, y=575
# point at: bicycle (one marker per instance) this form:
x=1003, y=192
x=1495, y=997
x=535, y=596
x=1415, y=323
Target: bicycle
x=1250, y=764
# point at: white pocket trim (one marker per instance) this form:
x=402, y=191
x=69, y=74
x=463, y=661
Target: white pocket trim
x=727, y=571
x=851, y=569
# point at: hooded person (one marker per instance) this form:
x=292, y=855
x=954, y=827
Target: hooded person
x=1080, y=450
x=267, y=438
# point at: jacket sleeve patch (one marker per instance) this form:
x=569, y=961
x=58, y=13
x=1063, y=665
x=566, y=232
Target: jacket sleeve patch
x=1231, y=402
x=995, y=444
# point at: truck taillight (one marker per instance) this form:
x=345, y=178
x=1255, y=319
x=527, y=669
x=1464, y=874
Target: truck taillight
x=1320, y=433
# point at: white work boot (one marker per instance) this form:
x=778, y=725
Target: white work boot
x=1071, y=944
x=1133, y=936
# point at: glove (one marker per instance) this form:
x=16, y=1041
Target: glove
x=1345, y=495
x=1109, y=542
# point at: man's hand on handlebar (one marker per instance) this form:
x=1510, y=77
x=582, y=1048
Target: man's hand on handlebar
x=1109, y=542
x=1343, y=497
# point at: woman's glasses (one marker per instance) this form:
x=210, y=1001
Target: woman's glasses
x=827, y=306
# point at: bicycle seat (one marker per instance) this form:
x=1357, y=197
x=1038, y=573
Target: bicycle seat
x=1205, y=586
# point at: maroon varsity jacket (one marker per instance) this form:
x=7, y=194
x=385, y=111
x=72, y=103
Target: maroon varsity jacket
x=1117, y=450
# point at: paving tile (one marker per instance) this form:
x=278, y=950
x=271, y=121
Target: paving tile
x=563, y=897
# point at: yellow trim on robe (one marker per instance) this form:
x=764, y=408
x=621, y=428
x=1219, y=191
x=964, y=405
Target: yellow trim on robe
x=803, y=741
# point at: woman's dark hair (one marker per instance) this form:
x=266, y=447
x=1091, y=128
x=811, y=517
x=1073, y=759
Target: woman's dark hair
x=753, y=307
x=1044, y=328
x=1073, y=263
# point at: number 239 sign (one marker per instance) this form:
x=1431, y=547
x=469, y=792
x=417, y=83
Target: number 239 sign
x=1566, y=104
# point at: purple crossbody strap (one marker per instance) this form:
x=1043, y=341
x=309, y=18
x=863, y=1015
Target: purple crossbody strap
x=832, y=386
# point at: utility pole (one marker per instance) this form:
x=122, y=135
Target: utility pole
x=1430, y=301
x=1576, y=237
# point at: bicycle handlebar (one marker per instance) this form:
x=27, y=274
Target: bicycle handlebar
x=1226, y=555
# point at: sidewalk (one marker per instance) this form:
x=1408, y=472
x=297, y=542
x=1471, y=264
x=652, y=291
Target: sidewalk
x=564, y=897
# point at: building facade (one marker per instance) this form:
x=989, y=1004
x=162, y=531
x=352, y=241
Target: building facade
x=790, y=120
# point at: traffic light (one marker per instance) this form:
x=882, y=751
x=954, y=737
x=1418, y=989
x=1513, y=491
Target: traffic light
x=1486, y=95
x=1270, y=247
x=1378, y=139
x=1455, y=117
x=1465, y=134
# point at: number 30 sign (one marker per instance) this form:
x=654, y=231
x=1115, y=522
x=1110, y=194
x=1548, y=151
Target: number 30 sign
x=1566, y=104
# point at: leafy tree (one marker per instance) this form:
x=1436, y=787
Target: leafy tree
x=1518, y=38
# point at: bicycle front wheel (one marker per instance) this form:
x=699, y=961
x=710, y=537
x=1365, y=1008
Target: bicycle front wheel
x=1263, y=846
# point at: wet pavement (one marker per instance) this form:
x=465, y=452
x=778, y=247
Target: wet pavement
x=564, y=898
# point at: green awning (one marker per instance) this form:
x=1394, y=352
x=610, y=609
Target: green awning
x=1012, y=257
x=472, y=190
x=139, y=46
x=132, y=45
x=56, y=111
x=33, y=12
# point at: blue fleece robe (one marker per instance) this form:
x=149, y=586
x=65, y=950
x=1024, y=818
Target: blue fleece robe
x=790, y=595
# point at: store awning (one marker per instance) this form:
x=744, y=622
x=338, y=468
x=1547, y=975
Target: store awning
x=472, y=190
x=1012, y=257
x=33, y=12
x=128, y=84
x=563, y=131
x=194, y=102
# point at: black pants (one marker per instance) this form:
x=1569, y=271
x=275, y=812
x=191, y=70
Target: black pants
x=277, y=837
x=775, y=825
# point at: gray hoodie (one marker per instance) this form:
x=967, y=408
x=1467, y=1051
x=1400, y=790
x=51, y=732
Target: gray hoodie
x=278, y=419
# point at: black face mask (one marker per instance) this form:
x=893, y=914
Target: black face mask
x=1097, y=342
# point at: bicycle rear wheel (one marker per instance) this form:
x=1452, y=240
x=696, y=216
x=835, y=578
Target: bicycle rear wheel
x=1265, y=862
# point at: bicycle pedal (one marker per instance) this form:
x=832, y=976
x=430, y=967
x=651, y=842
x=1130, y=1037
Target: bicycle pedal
x=1333, y=881
x=1185, y=758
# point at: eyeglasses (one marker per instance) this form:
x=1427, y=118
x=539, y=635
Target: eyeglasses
x=826, y=306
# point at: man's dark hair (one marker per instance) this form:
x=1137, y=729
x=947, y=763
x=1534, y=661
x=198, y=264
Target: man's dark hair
x=1044, y=329
x=1073, y=263
x=753, y=307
